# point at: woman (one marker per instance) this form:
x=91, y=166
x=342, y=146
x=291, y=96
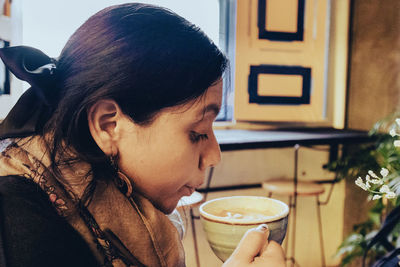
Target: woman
x=108, y=139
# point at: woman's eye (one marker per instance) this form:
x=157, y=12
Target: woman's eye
x=196, y=137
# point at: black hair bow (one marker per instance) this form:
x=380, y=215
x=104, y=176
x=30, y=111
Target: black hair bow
x=35, y=106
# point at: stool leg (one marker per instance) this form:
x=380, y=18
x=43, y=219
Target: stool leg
x=292, y=235
x=289, y=229
x=196, y=251
x=293, y=231
x=321, y=240
x=295, y=180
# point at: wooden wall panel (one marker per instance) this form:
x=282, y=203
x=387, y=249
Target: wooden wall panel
x=309, y=53
x=374, y=83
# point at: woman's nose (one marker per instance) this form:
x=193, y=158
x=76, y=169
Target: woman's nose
x=211, y=155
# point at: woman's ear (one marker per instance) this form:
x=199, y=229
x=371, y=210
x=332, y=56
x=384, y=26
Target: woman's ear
x=103, y=118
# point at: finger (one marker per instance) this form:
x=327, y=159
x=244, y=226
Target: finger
x=252, y=243
x=264, y=247
x=273, y=250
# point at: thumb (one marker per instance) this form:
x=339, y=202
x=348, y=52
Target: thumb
x=252, y=244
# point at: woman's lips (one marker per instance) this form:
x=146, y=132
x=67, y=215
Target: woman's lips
x=189, y=190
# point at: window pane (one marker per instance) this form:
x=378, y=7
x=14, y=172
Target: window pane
x=47, y=24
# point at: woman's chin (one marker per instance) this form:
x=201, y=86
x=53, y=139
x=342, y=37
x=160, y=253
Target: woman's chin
x=167, y=207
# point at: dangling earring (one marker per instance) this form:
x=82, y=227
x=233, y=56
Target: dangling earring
x=123, y=182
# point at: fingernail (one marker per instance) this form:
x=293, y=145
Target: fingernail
x=263, y=227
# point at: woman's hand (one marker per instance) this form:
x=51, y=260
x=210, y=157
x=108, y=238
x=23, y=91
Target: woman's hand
x=254, y=250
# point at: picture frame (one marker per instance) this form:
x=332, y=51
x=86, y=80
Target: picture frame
x=263, y=33
x=304, y=72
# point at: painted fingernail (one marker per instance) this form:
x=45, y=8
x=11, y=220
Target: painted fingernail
x=262, y=227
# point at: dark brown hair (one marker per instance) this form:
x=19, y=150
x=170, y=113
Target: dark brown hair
x=144, y=57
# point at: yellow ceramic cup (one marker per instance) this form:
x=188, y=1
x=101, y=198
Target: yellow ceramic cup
x=225, y=220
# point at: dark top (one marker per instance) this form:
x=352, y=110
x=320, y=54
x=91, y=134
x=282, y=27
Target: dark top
x=32, y=233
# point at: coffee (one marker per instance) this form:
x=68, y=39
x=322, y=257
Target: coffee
x=243, y=214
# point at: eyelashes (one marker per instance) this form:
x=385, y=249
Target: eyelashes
x=197, y=137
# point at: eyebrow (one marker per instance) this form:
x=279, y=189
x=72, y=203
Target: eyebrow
x=213, y=108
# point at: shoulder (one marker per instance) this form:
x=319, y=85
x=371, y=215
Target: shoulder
x=16, y=190
x=32, y=233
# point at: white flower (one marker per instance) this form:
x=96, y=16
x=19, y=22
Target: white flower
x=397, y=143
x=375, y=197
x=373, y=174
x=384, y=172
x=373, y=181
x=361, y=184
x=372, y=178
x=377, y=181
x=390, y=194
x=384, y=189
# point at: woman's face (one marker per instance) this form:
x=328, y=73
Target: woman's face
x=168, y=159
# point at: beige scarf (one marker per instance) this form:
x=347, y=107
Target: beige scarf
x=147, y=233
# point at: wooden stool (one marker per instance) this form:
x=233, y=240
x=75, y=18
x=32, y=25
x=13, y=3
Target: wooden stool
x=190, y=202
x=286, y=187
